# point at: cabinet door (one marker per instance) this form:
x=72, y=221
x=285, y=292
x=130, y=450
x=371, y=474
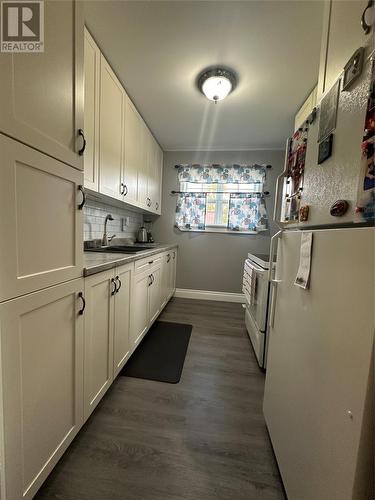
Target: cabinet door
x=42, y=384
x=159, y=179
x=151, y=171
x=111, y=124
x=143, y=173
x=91, y=112
x=139, y=308
x=41, y=95
x=155, y=294
x=121, y=339
x=132, y=153
x=166, y=278
x=98, y=338
x=174, y=270
x=40, y=224
x=342, y=35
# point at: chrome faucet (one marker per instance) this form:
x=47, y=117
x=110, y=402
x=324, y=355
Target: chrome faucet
x=105, y=238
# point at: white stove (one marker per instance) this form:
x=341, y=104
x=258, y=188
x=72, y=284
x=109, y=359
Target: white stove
x=256, y=290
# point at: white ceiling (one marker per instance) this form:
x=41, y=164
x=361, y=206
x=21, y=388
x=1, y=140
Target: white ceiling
x=158, y=48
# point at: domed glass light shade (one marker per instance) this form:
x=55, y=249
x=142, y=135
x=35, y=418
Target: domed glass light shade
x=216, y=83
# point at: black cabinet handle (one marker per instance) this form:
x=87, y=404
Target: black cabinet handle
x=82, y=150
x=82, y=204
x=124, y=189
x=157, y=205
x=81, y=311
x=366, y=27
x=149, y=280
x=114, y=289
x=119, y=284
x=174, y=255
x=151, y=262
x=168, y=258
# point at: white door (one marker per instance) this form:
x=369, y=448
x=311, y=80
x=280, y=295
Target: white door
x=121, y=324
x=42, y=384
x=99, y=293
x=111, y=132
x=40, y=223
x=41, y=95
x=91, y=112
x=155, y=300
x=139, y=308
x=317, y=396
x=132, y=153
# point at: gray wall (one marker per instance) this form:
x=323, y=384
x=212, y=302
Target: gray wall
x=213, y=261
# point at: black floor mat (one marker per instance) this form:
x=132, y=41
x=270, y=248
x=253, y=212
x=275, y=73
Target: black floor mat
x=161, y=354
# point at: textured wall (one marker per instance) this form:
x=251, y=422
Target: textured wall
x=95, y=213
x=212, y=261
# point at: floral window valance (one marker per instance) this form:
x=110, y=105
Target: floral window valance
x=222, y=174
x=221, y=198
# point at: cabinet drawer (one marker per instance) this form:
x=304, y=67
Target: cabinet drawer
x=143, y=265
x=40, y=221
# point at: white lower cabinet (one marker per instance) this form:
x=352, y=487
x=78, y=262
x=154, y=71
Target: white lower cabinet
x=168, y=278
x=61, y=348
x=107, y=296
x=155, y=295
x=41, y=384
x=98, y=338
x=121, y=322
x=140, y=307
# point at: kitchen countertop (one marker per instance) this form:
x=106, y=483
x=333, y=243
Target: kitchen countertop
x=95, y=262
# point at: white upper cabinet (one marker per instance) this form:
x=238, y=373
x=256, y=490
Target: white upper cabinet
x=40, y=220
x=143, y=172
x=41, y=384
x=41, y=95
x=111, y=132
x=122, y=158
x=342, y=35
x=91, y=114
x=132, y=153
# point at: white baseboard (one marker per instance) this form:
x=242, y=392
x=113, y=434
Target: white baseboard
x=185, y=293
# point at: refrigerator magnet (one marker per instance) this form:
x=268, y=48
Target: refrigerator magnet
x=339, y=208
x=325, y=149
x=353, y=68
x=304, y=213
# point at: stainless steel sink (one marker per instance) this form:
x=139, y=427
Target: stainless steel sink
x=120, y=249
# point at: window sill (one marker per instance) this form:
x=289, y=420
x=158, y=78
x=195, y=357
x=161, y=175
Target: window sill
x=218, y=230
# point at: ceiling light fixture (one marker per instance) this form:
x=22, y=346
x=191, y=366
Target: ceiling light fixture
x=216, y=83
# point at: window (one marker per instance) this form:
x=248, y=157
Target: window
x=220, y=198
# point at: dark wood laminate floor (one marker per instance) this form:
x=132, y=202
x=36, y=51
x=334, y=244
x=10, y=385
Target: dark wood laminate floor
x=202, y=439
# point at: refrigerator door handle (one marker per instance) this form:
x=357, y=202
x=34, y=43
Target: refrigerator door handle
x=278, y=193
x=274, y=284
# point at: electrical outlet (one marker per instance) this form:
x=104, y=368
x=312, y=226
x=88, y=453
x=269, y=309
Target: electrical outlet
x=125, y=221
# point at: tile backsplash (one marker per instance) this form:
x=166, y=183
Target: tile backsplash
x=94, y=216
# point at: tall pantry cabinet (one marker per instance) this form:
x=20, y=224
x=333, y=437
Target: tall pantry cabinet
x=41, y=290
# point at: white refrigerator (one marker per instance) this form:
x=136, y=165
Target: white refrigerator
x=319, y=390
